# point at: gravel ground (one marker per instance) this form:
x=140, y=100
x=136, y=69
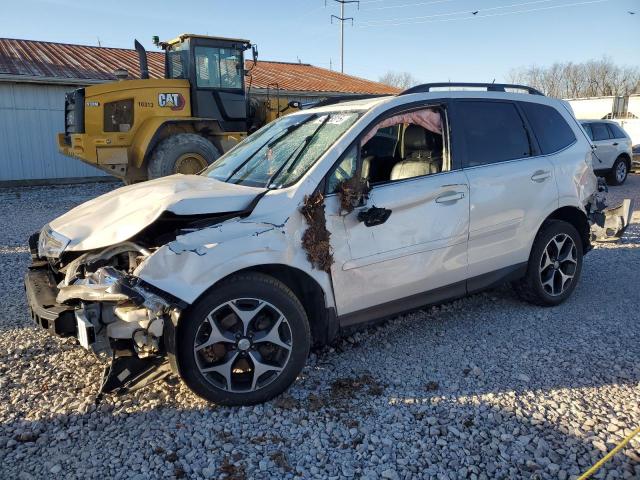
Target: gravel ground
x=484, y=387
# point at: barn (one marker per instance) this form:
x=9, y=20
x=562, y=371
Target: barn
x=35, y=75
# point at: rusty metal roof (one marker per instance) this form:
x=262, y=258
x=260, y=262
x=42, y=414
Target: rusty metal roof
x=45, y=62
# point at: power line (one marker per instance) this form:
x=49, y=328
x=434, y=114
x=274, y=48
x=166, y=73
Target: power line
x=432, y=2
x=530, y=10
x=459, y=12
x=343, y=19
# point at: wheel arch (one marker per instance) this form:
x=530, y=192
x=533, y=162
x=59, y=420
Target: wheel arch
x=322, y=318
x=627, y=159
x=576, y=217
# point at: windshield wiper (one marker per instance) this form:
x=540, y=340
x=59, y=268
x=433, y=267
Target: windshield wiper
x=300, y=151
x=270, y=144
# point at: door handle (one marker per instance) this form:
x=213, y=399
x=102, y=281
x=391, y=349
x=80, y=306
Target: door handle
x=374, y=216
x=450, y=197
x=541, y=175
x=615, y=144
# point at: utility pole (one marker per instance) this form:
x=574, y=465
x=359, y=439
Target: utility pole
x=342, y=19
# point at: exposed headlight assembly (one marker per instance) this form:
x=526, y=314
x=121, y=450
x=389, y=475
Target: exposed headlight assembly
x=50, y=243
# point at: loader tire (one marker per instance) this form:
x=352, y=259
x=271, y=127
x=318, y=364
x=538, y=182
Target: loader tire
x=186, y=153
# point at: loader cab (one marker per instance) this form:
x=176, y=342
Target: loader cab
x=214, y=67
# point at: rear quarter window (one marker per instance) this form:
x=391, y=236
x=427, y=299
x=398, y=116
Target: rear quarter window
x=615, y=131
x=550, y=128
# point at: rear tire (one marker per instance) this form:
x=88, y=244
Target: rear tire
x=619, y=172
x=186, y=153
x=554, y=267
x=256, y=347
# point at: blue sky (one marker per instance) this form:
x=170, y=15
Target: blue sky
x=435, y=40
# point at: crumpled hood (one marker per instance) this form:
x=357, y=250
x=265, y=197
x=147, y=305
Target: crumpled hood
x=119, y=215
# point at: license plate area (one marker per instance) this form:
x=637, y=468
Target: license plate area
x=86, y=330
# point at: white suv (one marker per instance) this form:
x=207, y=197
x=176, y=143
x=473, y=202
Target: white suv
x=322, y=220
x=612, y=149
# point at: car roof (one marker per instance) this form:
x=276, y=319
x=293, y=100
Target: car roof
x=367, y=104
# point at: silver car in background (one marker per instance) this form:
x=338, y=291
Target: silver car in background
x=612, y=156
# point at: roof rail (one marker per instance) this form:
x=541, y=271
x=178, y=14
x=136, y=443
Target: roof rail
x=341, y=98
x=491, y=87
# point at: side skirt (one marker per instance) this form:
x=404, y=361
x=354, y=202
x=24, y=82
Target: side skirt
x=432, y=297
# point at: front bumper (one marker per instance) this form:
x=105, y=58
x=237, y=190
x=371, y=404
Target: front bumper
x=130, y=368
x=41, y=290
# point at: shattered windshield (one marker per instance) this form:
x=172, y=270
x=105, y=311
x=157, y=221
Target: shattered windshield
x=279, y=154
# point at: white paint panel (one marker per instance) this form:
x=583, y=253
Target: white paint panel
x=634, y=105
x=31, y=115
x=632, y=127
x=592, y=108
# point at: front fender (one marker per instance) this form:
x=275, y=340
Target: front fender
x=193, y=263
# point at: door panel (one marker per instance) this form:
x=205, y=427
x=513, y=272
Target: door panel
x=606, y=151
x=508, y=201
x=421, y=246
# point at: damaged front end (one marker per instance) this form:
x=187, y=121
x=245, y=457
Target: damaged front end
x=96, y=299
x=608, y=223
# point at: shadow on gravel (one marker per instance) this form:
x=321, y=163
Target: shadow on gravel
x=499, y=442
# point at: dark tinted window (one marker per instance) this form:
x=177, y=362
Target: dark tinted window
x=494, y=132
x=615, y=131
x=587, y=128
x=551, y=130
x=600, y=131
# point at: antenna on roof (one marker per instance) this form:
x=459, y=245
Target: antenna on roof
x=99, y=44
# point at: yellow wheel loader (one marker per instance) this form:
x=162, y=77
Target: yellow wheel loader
x=148, y=128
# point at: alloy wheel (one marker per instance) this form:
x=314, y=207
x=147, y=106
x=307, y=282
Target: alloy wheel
x=243, y=345
x=621, y=171
x=558, y=264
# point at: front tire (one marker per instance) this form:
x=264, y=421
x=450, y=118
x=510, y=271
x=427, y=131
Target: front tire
x=185, y=153
x=554, y=267
x=244, y=342
x=619, y=172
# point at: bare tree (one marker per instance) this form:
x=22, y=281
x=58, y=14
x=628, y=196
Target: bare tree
x=589, y=79
x=402, y=80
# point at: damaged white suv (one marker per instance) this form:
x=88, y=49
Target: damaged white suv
x=322, y=220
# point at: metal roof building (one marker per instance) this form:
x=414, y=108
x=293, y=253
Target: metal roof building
x=34, y=77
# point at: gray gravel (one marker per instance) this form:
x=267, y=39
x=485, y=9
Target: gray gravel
x=485, y=387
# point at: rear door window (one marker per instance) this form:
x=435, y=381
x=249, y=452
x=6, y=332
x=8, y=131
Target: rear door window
x=493, y=132
x=600, y=131
x=550, y=128
x=587, y=128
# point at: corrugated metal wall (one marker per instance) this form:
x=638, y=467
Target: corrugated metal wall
x=30, y=117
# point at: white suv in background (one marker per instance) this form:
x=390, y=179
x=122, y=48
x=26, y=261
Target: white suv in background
x=613, y=149
x=322, y=220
